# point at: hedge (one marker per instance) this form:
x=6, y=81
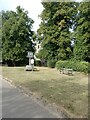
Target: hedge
x=81, y=66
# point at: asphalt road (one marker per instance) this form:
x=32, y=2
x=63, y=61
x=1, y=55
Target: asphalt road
x=15, y=104
x=0, y=99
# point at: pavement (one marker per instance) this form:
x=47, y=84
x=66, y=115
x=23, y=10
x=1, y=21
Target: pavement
x=15, y=104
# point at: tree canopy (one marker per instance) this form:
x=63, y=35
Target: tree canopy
x=57, y=20
x=17, y=35
x=82, y=32
x=61, y=23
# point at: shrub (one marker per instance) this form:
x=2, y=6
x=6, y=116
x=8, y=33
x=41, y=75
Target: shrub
x=37, y=63
x=75, y=65
x=51, y=63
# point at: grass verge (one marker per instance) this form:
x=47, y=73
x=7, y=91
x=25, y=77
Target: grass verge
x=68, y=92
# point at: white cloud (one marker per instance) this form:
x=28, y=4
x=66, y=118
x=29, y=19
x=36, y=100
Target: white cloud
x=34, y=7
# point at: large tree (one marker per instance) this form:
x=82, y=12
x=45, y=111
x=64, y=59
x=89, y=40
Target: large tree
x=0, y=37
x=17, y=35
x=82, y=32
x=57, y=19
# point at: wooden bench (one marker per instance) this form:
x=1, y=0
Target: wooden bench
x=66, y=71
x=62, y=70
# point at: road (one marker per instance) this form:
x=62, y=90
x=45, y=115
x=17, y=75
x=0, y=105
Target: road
x=15, y=104
x=0, y=99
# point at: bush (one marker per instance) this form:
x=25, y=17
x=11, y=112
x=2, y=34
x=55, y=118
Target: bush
x=75, y=65
x=37, y=63
x=51, y=63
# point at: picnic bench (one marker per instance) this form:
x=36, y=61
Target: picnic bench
x=66, y=71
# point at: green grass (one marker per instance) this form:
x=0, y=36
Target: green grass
x=68, y=92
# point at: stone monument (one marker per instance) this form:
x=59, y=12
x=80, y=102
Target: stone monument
x=30, y=56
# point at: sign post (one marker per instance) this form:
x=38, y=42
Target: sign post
x=30, y=56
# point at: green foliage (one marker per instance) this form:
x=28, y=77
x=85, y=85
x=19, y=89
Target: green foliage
x=57, y=19
x=75, y=65
x=17, y=35
x=51, y=63
x=37, y=63
x=82, y=32
x=0, y=37
x=42, y=54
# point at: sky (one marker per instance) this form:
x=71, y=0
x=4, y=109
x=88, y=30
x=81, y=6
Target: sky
x=34, y=7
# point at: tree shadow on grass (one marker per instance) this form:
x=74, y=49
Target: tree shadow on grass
x=35, y=70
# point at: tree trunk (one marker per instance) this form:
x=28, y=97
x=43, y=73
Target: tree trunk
x=14, y=63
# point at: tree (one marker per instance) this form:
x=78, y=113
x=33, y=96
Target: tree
x=17, y=35
x=57, y=19
x=82, y=32
x=0, y=37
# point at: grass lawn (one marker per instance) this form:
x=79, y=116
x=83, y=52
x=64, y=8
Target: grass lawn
x=67, y=92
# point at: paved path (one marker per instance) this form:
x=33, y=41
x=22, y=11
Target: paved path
x=17, y=105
